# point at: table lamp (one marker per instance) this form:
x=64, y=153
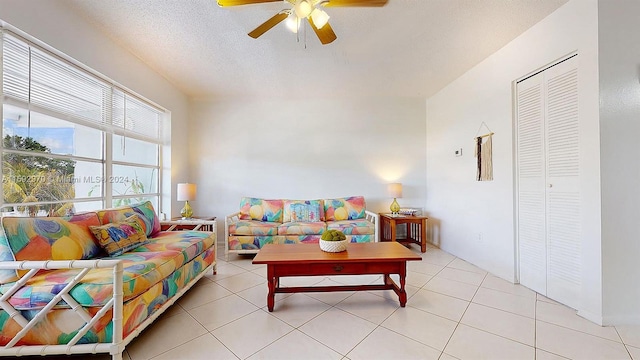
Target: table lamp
x=395, y=191
x=186, y=192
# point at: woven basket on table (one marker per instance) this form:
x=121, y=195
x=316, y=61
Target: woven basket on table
x=333, y=246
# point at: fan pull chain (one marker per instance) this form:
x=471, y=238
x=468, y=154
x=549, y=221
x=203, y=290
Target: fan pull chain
x=298, y=27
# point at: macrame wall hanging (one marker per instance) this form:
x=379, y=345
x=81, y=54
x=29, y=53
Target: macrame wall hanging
x=483, y=154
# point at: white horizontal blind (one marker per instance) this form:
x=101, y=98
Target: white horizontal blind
x=15, y=80
x=59, y=87
x=133, y=117
x=42, y=81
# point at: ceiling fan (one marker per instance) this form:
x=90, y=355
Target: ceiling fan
x=303, y=9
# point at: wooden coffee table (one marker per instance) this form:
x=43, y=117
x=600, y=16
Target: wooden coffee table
x=359, y=259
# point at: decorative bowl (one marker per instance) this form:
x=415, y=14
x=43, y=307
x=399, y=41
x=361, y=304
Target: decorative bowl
x=333, y=246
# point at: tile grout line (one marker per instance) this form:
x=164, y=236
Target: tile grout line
x=225, y=346
x=191, y=316
x=582, y=332
x=173, y=348
x=267, y=345
x=535, y=329
x=486, y=275
x=513, y=313
x=461, y=317
x=294, y=328
x=507, y=311
x=330, y=307
x=504, y=337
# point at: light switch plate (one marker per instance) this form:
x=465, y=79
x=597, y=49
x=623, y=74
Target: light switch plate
x=458, y=152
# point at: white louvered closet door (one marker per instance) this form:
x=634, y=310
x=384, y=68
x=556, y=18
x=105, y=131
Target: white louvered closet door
x=531, y=162
x=549, y=216
x=564, y=251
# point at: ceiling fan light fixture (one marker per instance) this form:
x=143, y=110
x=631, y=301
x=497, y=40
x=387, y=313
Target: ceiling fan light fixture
x=303, y=8
x=292, y=23
x=319, y=17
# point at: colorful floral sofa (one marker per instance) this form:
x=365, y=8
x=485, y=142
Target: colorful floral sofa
x=261, y=222
x=91, y=282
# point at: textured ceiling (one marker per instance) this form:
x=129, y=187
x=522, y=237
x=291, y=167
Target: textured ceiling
x=408, y=48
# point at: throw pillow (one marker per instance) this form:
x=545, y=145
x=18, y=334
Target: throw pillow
x=305, y=212
x=119, y=237
x=261, y=209
x=147, y=216
x=349, y=208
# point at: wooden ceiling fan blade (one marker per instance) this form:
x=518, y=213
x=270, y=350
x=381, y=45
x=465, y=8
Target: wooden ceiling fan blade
x=362, y=3
x=267, y=25
x=243, y=2
x=325, y=34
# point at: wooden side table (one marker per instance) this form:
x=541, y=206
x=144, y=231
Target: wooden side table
x=201, y=223
x=416, y=229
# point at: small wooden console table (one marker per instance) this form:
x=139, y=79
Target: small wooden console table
x=416, y=229
x=359, y=259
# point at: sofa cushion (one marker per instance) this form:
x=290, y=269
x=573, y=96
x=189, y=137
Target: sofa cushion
x=6, y=275
x=119, y=237
x=303, y=210
x=353, y=227
x=257, y=242
x=349, y=208
x=249, y=242
x=302, y=228
x=147, y=216
x=253, y=227
x=189, y=243
x=261, y=209
x=141, y=271
x=48, y=238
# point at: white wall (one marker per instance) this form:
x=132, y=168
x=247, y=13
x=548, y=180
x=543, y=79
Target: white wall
x=620, y=133
x=475, y=220
x=306, y=149
x=57, y=26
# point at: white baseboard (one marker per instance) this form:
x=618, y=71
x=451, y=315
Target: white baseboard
x=620, y=320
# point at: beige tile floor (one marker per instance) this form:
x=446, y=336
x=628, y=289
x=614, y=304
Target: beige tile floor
x=455, y=311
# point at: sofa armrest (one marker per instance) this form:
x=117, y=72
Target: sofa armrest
x=228, y=220
x=115, y=303
x=375, y=219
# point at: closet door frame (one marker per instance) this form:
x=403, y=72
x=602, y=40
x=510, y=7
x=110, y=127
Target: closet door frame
x=516, y=166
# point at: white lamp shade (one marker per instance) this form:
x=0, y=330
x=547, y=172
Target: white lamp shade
x=395, y=190
x=303, y=8
x=292, y=23
x=186, y=192
x=320, y=18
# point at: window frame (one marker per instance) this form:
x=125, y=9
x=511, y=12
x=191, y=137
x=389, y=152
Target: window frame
x=107, y=127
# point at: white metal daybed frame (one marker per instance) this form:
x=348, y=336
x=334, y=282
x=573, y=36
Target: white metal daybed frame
x=114, y=348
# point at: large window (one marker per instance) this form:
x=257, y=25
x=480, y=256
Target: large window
x=72, y=140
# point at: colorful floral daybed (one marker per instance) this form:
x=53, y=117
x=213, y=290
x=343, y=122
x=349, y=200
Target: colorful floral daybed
x=90, y=283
